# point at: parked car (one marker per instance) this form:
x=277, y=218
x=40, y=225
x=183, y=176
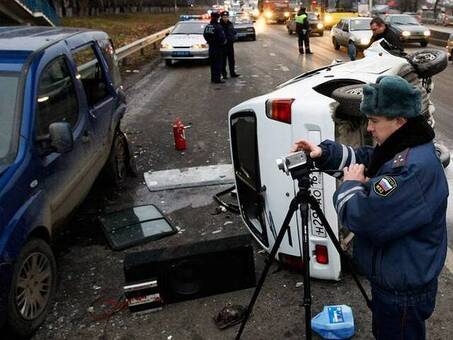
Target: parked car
x=316, y=26
x=317, y=105
x=185, y=42
x=61, y=103
x=450, y=47
x=408, y=28
x=354, y=31
x=243, y=24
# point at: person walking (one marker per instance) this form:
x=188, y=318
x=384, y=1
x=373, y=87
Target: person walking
x=215, y=37
x=394, y=198
x=231, y=36
x=303, y=31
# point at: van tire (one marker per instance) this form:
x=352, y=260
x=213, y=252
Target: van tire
x=428, y=62
x=25, y=268
x=116, y=168
x=349, y=98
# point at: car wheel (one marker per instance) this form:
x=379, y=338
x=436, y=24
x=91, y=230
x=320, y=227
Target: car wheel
x=168, y=62
x=117, y=163
x=290, y=32
x=423, y=43
x=428, y=62
x=254, y=37
x=443, y=154
x=349, y=98
x=336, y=45
x=32, y=288
x=321, y=33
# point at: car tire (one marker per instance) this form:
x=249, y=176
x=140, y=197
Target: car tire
x=168, y=62
x=34, y=281
x=428, y=62
x=423, y=43
x=116, y=168
x=443, y=154
x=254, y=37
x=321, y=33
x=336, y=45
x=349, y=98
x=290, y=32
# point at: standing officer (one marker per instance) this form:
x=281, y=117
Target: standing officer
x=231, y=37
x=215, y=37
x=394, y=198
x=303, y=31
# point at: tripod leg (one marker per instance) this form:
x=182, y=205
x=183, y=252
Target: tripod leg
x=315, y=206
x=292, y=208
x=306, y=259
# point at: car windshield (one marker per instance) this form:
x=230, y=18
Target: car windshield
x=360, y=25
x=8, y=135
x=403, y=20
x=189, y=28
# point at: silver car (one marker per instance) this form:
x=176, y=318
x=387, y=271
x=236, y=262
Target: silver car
x=354, y=30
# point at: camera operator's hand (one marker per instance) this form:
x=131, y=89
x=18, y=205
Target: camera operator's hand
x=355, y=172
x=314, y=150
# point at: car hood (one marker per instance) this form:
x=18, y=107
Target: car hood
x=366, y=34
x=410, y=28
x=184, y=40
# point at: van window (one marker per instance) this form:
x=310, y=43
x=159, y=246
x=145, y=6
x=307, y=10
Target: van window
x=91, y=74
x=112, y=61
x=57, y=100
x=8, y=116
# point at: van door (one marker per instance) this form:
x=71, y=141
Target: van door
x=65, y=174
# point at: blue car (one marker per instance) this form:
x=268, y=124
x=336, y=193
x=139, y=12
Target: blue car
x=61, y=103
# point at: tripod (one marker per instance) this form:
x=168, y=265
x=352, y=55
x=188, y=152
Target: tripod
x=302, y=200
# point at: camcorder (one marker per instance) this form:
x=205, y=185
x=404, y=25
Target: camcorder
x=297, y=164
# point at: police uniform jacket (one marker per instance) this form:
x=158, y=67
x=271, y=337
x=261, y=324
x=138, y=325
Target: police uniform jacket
x=302, y=22
x=398, y=216
x=230, y=32
x=214, y=36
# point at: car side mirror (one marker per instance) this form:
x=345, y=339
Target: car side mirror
x=60, y=135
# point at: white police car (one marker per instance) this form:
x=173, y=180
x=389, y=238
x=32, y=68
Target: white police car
x=185, y=42
x=318, y=105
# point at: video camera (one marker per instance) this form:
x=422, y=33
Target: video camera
x=297, y=164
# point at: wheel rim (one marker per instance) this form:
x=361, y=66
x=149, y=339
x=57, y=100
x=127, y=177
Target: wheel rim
x=120, y=158
x=33, y=286
x=424, y=57
x=356, y=91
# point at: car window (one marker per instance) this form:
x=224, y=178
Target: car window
x=109, y=54
x=403, y=20
x=90, y=74
x=360, y=24
x=9, y=84
x=57, y=100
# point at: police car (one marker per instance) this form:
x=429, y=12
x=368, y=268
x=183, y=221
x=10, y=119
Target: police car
x=185, y=42
x=317, y=105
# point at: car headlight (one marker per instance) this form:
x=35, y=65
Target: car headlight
x=199, y=46
x=165, y=46
x=364, y=41
x=268, y=14
x=320, y=26
x=406, y=33
x=427, y=33
x=286, y=14
x=328, y=18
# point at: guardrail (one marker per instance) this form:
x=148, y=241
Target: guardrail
x=140, y=44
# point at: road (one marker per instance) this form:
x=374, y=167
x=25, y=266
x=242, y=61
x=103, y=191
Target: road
x=91, y=273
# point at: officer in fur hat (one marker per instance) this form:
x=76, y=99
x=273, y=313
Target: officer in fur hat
x=394, y=198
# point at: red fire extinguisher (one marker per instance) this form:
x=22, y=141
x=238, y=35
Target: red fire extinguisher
x=179, y=135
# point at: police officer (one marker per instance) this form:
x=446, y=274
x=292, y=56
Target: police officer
x=303, y=31
x=394, y=198
x=231, y=37
x=215, y=37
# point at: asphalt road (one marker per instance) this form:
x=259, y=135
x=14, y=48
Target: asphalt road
x=91, y=276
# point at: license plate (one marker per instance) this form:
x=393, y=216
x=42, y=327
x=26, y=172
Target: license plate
x=181, y=54
x=317, y=229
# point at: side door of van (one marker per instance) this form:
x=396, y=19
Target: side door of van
x=58, y=100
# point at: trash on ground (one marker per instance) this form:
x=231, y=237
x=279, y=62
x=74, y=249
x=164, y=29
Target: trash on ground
x=229, y=315
x=334, y=322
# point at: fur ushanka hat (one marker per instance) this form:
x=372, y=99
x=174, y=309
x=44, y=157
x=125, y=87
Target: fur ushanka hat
x=391, y=96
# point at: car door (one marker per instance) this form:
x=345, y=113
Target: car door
x=99, y=95
x=338, y=31
x=57, y=100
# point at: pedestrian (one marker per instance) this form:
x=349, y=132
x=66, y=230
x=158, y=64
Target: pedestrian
x=394, y=198
x=381, y=30
x=303, y=31
x=231, y=36
x=215, y=37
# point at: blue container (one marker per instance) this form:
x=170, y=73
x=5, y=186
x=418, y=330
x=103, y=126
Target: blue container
x=334, y=322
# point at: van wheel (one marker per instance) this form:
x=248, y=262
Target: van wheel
x=33, y=287
x=117, y=163
x=349, y=98
x=428, y=62
x=336, y=45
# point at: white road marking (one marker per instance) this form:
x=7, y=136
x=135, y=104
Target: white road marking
x=449, y=260
x=272, y=54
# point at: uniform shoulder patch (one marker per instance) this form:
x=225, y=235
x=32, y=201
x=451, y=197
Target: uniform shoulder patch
x=385, y=186
x=400, y=159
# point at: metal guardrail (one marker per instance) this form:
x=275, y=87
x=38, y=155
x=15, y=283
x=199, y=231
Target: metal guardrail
x=138, y=45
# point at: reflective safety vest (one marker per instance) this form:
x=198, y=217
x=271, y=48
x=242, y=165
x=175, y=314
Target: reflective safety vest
x=300, y=19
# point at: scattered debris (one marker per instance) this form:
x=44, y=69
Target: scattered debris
x=229, y=315
x=299, y=284
x=228, y=222
x=217, y=231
